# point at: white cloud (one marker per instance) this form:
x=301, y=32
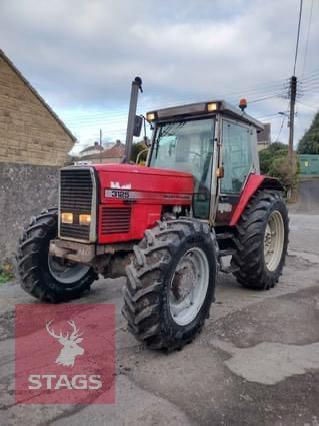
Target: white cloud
x=81, y=55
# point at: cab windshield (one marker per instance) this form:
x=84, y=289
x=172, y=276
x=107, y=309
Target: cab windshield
x=188, y=146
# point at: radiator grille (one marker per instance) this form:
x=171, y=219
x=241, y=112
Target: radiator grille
x=76, y=192
x=116, y=220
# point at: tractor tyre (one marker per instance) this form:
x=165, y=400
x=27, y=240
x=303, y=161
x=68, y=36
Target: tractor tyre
x=262, y=239
x=170, y=283
x=43, y=276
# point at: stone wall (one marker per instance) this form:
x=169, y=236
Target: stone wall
x=24, y=191
x=29, y=132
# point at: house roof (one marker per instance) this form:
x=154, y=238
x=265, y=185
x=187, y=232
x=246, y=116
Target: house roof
x=33, y=90
x=91, y=148
x=117, y=151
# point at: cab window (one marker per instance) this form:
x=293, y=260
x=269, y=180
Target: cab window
x=188, y=146
x=236, y=157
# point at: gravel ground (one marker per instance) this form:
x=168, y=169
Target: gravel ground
x=255, y=363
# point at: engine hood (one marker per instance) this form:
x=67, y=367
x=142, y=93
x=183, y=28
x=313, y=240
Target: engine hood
x=141, y=183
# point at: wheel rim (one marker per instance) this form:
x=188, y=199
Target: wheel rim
x=188, y=286
x=274, y=240
x=66, y=273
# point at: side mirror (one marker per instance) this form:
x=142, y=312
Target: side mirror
x=138, y=123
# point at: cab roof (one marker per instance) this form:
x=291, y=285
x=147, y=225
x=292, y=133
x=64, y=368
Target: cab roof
x=202, y=109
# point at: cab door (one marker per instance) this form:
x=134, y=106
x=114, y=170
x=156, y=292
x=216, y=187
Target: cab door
x=238, y=162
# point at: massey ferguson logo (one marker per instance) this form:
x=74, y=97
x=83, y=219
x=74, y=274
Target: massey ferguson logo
x=117, y=185
x=70, y=344
x=65, y=354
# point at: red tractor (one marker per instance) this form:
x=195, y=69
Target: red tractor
x=166, y=226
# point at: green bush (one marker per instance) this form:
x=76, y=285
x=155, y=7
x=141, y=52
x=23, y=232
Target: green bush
x=274, y=162
x=281, y=169
x=6, y=273
x=136, y=149
x=266, y=156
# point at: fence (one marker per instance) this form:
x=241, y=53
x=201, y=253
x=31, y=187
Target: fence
x=309, y=164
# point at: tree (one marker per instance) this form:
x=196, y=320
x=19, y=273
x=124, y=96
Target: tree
x=266, y=156
x=136, y=149
x=309, y=143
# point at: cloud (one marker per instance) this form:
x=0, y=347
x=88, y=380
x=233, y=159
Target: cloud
x=82, y=55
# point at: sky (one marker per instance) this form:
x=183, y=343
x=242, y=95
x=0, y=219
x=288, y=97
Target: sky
x=81, y=56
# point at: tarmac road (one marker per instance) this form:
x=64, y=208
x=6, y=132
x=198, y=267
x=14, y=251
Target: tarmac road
x=308, y=200
x=255, y=363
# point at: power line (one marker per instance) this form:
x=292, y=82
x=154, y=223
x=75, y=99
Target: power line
x=308, y=90
x=281, y=127
x=298, y=36
x=310, y=79
x=267, y=116
x=258, y=88
x=309, y=106
x=310, y=83
x=276, y=95
x=309, y=87
x=311, y=74
x=276, y=115
x=118, y=118
x=92, y=120
x=114, y=121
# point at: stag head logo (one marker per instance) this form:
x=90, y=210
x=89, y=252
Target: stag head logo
x=70, y=348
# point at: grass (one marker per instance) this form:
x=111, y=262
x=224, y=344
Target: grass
x=5, y=277
x=6, y=273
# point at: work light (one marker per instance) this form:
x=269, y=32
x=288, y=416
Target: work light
x=67, y=218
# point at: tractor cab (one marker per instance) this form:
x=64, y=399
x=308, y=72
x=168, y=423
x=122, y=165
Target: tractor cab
x=213, y=141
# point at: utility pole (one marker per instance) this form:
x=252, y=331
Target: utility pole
x=293, y=92
x=100, y=145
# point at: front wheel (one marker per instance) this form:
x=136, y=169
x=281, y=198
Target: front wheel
x=45, y=277
x=262, y=235
x=170, y=283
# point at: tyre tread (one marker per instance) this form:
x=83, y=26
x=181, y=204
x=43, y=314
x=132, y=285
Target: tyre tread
x=143, y=293
x=250, y=231
x=29, y=264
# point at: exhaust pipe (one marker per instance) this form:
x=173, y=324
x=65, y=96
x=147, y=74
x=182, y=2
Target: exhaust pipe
x=132, y=123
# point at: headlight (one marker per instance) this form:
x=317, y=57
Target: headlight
x=67, y=218
x=85, y=219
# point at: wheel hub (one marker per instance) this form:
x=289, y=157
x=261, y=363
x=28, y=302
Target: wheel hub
x=188, y=286
x=273, y=240
x=66, y=272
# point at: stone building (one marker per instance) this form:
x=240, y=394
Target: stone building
x=30, y=131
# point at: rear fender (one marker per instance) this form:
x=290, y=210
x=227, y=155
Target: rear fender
x=254, y=183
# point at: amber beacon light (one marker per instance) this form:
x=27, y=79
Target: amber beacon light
x=243, y=104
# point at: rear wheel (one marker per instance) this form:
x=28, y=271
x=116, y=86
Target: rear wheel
x=262, y=235
x=170, y=283
x=46, y=277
